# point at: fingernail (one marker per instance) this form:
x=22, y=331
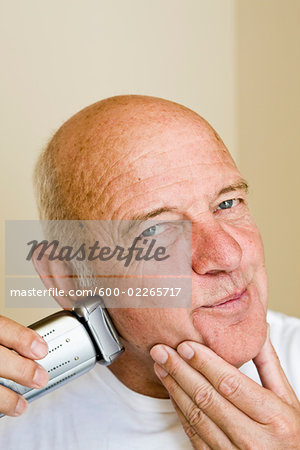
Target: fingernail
x=185, y=351
x=39, y=348
x=40, y=377
x=160, y=371
x=159, y=354
x=21, y=406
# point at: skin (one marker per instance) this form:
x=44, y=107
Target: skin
x=133, y=154
x=220, y=408
x=169, y=156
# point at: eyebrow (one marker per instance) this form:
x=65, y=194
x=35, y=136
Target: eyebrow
x=240, y=185
x=154, y=213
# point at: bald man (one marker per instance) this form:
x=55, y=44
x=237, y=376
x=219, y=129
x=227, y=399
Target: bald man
x=201, y=377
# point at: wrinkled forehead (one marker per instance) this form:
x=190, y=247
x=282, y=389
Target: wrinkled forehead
x=171, y=153
x=164, y=171
x=130, y=162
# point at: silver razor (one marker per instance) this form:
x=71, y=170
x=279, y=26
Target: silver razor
x=76, y=340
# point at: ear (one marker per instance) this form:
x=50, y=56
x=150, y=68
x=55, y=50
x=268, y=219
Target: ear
x=58, y=275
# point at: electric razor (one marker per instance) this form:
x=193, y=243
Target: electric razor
x=76, y=340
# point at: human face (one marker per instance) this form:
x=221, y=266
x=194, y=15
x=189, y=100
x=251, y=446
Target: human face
x=187, y=168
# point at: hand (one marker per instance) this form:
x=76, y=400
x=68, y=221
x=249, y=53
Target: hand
x=19, y=367
x=221, y=408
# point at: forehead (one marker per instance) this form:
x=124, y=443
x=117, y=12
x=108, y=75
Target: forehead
x=179, y=165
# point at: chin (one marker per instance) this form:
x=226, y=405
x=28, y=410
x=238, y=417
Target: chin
x=239, y=351
x=236, y=342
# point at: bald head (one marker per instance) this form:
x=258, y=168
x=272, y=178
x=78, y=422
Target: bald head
x=138, y=157
x=110, y=147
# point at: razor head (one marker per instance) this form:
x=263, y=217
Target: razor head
x=92, y=313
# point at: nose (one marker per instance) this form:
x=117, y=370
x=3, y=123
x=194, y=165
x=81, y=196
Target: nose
x=214, y=248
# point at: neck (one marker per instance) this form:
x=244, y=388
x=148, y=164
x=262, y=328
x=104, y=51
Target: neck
x=137, y=373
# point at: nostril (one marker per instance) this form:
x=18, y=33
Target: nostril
x=214, y=272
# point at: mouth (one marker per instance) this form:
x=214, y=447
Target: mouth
x=229, y=302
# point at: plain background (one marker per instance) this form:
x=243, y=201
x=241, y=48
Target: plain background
x=235, y=62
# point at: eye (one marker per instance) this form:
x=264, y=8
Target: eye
x=227, y=204
x=154, y=230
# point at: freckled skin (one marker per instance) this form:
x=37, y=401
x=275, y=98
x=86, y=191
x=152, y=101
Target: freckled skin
x=133, y=154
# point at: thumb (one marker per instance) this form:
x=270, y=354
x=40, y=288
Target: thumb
x=271, y=373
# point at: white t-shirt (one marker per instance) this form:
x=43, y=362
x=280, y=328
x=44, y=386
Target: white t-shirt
x=96, y=411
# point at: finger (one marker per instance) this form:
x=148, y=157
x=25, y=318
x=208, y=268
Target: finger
x=11, y=403
x=255, y=401
x=21, y=370
x=25, y=341
x=202, y=394
x=198, y=423
x=194, y=438
x=271, y=373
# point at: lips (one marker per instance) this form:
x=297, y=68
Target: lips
x=230, y=298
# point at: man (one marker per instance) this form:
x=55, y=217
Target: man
x=136, y=155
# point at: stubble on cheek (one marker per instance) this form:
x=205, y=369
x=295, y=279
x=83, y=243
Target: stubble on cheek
x=142, y=328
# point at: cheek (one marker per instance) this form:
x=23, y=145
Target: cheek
x=241, y=341
x=131, y=324
x=251, y=243
x=253, y=263
x=143, y=328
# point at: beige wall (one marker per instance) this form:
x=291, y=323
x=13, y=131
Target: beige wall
x=268, y=134
x=59, y=56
